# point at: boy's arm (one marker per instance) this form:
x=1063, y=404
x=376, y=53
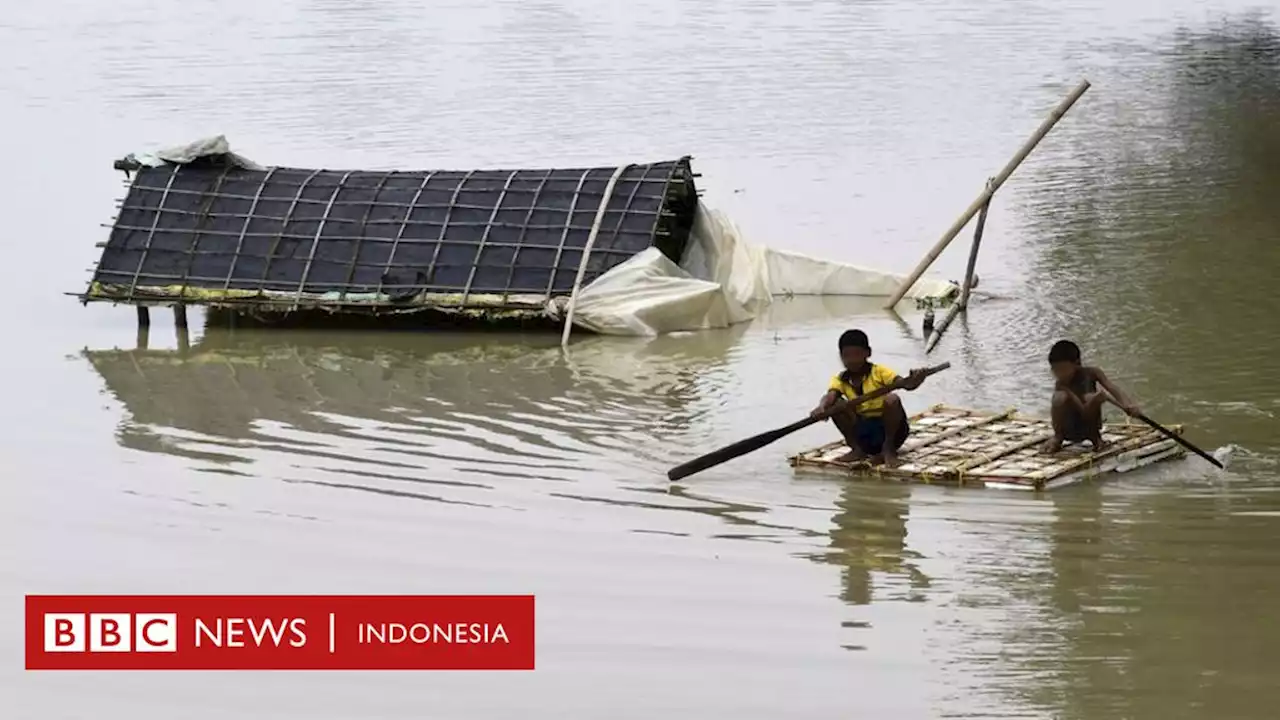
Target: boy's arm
x=1120, y=398
x=826, y=402
x=1075, y=400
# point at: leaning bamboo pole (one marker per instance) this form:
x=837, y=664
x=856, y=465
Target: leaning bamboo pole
x=985, y=197
x=962, y=304
x=969, y=272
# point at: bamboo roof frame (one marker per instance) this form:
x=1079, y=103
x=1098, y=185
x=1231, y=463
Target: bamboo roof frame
x=212, y=232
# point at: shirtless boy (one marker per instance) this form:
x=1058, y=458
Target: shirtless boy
x=1078, y=394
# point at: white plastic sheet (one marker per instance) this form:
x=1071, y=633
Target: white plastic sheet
x=721, y=281
x=183, y=154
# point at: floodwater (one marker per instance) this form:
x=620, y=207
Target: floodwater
x=1144, y=226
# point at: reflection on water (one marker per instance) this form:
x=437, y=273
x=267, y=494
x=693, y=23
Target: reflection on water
x=870, y=536
x=1152, y=583
x=463, y=404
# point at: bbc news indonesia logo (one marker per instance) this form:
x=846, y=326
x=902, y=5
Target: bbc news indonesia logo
x=280, y=632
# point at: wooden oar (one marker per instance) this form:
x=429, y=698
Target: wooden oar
x=1170, y=434
x=1178, y=439
x=751, y=444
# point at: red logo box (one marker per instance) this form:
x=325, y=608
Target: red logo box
x=280, y=632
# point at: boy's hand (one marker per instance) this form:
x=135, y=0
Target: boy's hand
x=826, y=403
x=836, y=407
x=914, y=379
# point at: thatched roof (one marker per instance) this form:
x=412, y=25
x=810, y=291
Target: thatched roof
x=213, y=231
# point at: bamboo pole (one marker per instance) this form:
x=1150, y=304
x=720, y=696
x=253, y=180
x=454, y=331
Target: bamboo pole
x=983, y=199
x=962, y=304
x=586, y=251
x=942, y=327
x=973, y=251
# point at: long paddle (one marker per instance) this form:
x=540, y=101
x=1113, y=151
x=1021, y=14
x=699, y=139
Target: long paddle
x=1178, y=439
x=751, y=444
x=1170, y=434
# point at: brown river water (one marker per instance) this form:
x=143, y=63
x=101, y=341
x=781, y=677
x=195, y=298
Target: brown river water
x=1144, y=227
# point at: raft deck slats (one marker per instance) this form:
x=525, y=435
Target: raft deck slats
x=956, y=446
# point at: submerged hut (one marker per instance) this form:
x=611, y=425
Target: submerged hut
x=201, y=225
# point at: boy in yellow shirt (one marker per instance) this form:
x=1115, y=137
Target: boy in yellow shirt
x=876, y=428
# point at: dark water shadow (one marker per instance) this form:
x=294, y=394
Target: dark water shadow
x=1157, y=255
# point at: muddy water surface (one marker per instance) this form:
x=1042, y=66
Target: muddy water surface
x=309, y=462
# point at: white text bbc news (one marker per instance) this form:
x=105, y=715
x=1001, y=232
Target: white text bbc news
x=158, y=632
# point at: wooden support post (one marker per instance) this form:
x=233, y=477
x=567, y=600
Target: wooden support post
x=963, y=302
x=184, y=339
x=144, y=338
x=180, y=316
x=985, y=197
x=144, y=316
x=942, y=327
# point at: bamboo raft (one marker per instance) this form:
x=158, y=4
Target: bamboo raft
x=955, y=446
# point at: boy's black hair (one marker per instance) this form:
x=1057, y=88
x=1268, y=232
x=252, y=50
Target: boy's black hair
x=1064, y=351
x=854, y=338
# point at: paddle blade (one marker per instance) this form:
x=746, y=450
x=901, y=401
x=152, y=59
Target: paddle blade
x=727, y=453
x=1223, y=455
